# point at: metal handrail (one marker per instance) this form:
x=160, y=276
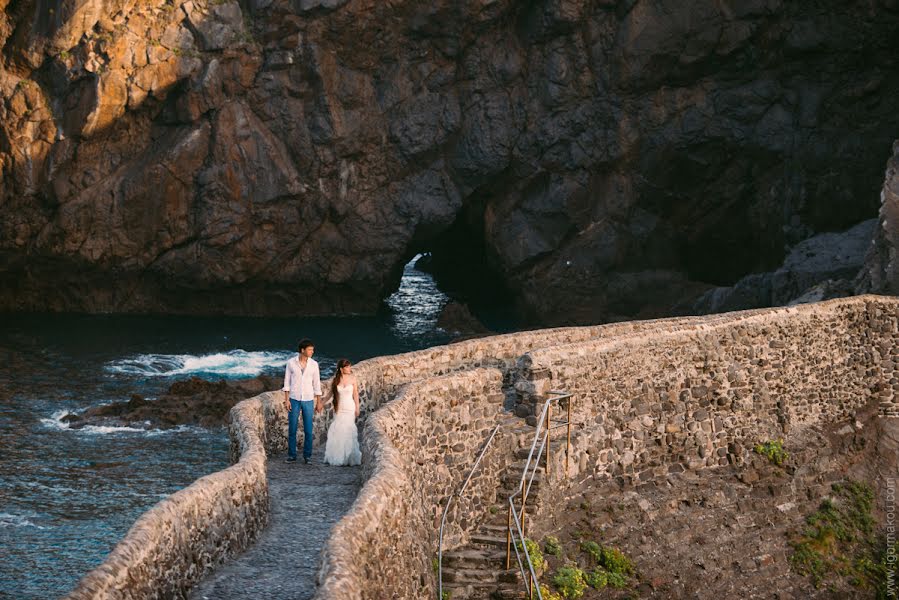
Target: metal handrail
x=446, y=511
x=524, y=491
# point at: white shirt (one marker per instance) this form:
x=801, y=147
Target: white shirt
x=303, y=384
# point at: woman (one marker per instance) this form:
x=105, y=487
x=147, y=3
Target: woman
x=342, y=447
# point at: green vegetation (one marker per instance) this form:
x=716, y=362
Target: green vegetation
x=546, y=594
x=612, y=569
x=552, y=546
x=839, y=541
x=593, y=550
x=614, y=561
x=773, y=450
x=570, y=581
x=534, y=552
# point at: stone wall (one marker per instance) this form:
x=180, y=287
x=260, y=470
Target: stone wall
x=420, y=448
x=185, y=536
x=647, y=405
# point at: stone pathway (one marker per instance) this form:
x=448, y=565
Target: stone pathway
x=307, y=500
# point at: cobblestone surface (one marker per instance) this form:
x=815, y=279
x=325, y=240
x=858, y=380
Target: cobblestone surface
x=306, y=502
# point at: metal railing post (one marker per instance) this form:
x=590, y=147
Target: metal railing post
x=568, y=447
x=509, y=541
x=549, y=408
x=523, y=500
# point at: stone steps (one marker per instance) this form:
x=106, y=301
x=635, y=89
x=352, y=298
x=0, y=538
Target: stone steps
x=477, y=571
x=479, y=577
x=472, y=556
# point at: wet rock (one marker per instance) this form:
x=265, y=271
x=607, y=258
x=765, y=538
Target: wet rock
x=191, y=401
x=456, y=318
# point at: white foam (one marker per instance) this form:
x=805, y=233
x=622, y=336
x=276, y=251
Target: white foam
x=10, y=520
x=235, y=363
x=55, y=422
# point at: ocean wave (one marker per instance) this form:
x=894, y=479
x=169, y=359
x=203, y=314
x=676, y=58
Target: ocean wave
x=55, y=422
x=236, y=363
x=10, y=520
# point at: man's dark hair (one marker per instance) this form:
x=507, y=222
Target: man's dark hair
x=304, y=343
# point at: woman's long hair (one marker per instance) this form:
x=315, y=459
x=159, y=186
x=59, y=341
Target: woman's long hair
x=340, y=364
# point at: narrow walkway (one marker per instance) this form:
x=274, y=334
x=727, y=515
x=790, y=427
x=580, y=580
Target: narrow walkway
x=307, y=500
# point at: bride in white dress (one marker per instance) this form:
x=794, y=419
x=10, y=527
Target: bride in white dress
x=342, y=447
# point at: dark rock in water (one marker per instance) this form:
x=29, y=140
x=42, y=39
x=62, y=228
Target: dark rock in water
x=281, y=157
x=425, y=263
x=192, y=401
x=456, y=319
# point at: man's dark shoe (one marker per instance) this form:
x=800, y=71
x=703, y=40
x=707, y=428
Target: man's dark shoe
x=291, y=459
x=305, y=460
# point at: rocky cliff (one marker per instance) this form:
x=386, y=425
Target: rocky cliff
x=594, y=158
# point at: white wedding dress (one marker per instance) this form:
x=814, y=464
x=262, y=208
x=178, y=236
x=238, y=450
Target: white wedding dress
x=342, y=447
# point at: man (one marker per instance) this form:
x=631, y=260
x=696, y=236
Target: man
x=302, y=393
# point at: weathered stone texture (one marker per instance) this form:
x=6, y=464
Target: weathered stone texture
x=703, y=397
x=420, y=448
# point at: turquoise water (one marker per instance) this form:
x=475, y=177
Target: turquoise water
x=66, y=496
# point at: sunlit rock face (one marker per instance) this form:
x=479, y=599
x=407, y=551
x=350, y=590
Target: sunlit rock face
x=597, y=160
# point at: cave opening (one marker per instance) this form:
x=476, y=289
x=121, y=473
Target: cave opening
x=463, y=268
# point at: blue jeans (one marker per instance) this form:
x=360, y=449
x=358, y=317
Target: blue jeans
x=308, y=408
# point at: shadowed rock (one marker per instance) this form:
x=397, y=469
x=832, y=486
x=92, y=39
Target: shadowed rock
x=606, y=159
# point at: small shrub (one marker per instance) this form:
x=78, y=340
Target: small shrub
x=615, y=562
x=570, y=582
x=546, y=593
x=534, y=552
x=617, y=580
x=593, y=549
x=773, y=450
x=552, y=546
x=598, y=579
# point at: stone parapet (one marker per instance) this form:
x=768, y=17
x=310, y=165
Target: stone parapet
x=668, y=401
x=183, y=537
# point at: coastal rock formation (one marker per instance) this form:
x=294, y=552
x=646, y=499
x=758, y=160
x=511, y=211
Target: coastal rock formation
x=593, y=159
x=881, y=272
x=193, y=401
x=821, y=267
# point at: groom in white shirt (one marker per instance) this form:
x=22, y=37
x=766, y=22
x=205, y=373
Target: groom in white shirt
x=303, y=394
